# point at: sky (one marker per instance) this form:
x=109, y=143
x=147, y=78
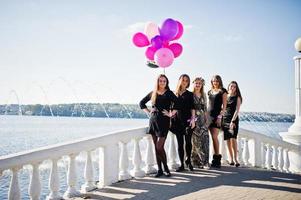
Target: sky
x=63, y=51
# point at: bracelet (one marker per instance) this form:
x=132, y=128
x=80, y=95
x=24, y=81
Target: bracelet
x=220, y=116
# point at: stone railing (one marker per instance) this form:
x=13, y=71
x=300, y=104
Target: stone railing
x=114, y=161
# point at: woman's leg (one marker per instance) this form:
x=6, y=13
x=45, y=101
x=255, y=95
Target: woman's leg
x=230, y=149
x=234, y=146
x=161, y=152
x=180, y=140
x=188, y=148
x=155, y=140
x=214, y=135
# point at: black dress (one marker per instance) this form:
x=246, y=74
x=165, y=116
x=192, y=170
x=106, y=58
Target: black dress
x=158, y=123
x=180, y=121
x=215, y=106
x=230, y=110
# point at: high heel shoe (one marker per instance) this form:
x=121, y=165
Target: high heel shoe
x=237, y=165
x=189, y=165
x=180, y=169
x=159, y=173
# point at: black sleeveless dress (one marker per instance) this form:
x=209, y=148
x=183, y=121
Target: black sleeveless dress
x=215, y=106
x=230, y=110
x=158, y=123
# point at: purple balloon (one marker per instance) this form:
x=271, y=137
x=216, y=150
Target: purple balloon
x=157, y=42
x=169, y=29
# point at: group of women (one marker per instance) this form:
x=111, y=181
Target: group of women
x=188, y=115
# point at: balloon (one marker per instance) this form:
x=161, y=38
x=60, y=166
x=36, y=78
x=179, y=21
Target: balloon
x=180, y=31
x=140, y=40
x=150, y=52
x=169, y=29
x=165, y=43
x=164, y=57
x=151, y=30
x=176, y=49
x=157, y=42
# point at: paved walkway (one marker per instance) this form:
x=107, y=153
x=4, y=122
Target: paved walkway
x=226, y=183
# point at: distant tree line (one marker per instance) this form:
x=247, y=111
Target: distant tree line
x=115, y=110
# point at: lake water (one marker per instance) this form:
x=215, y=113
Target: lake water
x=20, y=133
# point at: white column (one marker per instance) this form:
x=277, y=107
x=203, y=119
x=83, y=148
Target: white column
x=150, y=158
x=286, y=161
x=137, y=172
x=88, y=175
x=108, y=164
x=34, y=190
x=172, y=152
x=239, y=149
x=280, y=159
x=14, y=188
x=124, y=162
x=71, y=178
x=263, y=155
x=246, y=152
x=275, y=157
x=268, y=157
x=54, y=182
x=223, y=148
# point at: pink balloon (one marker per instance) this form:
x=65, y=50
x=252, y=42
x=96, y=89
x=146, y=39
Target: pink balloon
x=165, y=43
x=176, y=49
x=140, y=40
x=180, y=31
x=151, y=30
x=164, y=57
x=150, y=53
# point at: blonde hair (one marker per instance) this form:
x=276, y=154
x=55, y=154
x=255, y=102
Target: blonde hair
x=154, y=93
x=179, y=86
x=219, y=79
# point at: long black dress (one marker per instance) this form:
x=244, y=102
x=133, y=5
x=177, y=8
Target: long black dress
x=158, y=123
x=180, y=123
x=215, y=106
x=230, y=110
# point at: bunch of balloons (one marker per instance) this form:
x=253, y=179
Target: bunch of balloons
x=158, y=41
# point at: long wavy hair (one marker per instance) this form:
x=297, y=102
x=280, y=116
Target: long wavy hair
x=154, y=93
x=179, y=86
x=237, y=92
x=203, y=84
x=219, y=79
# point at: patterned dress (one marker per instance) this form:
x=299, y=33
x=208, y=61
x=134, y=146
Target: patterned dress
x=200, y=136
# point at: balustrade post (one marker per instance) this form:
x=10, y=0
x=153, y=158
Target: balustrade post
x=14, y=192
x=280, y=159
x=286, y=161
x=108, y=164
x=275, y=157
x=124, y=162
x=71, y=178
x=137, y=172
x=246, y=152
x=263, y=155
x=150, y=158
x=54, y=182
x=268, y=158
x=239, y=149
x=172, y=152
x=34, y=189
x=88, y=175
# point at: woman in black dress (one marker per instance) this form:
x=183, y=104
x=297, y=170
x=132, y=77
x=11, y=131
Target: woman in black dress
x=184, y=121
x=163, y=100
x=217, y=106
x=231, y=120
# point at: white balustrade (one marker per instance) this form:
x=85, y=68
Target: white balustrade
x=114, y=167
x=88, y=175
x=268, y=158
x=71, y=178
x=14, y=188
x=275, y=157
x=54, y=182
x=34, y=190
x=286, y=161
x=149, y=158
x=246, y=152
x=239, y=149
x=263, y=154
x=124, y=162
x=280, y=159
x=137, y=171
x=172, y=152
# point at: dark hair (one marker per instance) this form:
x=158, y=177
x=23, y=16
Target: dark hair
x=237, y=89
x=154, y=94
x=180, y=83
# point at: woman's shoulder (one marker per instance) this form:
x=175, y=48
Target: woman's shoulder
x=223, y=90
